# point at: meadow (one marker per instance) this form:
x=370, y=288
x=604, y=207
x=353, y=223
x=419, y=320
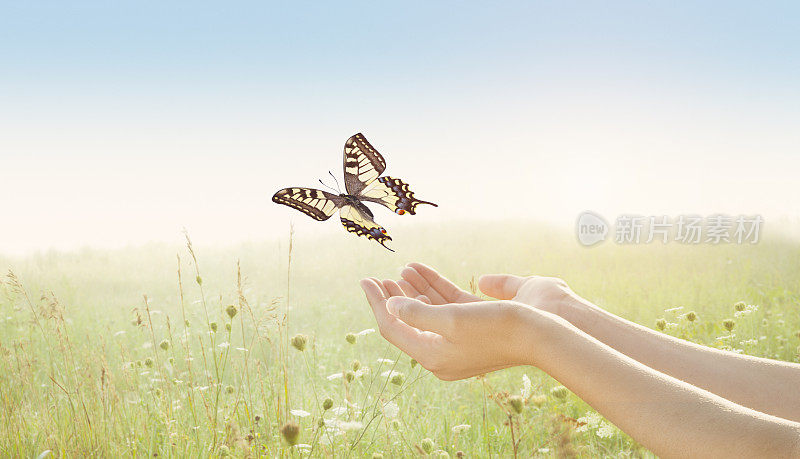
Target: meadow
x=195, y=351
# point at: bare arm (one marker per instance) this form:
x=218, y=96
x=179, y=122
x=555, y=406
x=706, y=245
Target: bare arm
x=671, y=417
x=765, y=385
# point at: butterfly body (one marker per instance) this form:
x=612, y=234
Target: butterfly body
x=363, y=166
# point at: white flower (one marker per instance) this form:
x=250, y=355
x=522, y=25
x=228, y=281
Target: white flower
x=386, y=361
x=606, y=430
x=350, y=425
x=366, y=332
x=361, y=372
x=461, y=428
x=544, y=450
x=224, y=345
x=121, y=332
x=302, y=447
x=338, y=411
x=391, y=410
x=300, y=413
x=673, y=309
x=526, y=386
x=390, y=373
x=334, y=376
x=242, y=349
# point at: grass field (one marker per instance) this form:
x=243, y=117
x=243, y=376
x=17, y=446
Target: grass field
x=143, y=352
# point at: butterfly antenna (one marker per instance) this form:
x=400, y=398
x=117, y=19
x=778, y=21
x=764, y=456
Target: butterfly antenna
x=335, y=181
x=326, y=186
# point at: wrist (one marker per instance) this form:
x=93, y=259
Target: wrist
x=537, y=334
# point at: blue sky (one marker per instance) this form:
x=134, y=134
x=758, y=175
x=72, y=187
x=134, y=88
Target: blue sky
x=126, y=112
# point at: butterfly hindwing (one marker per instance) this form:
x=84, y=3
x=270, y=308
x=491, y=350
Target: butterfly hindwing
x=362, y=164
x=358, y=219
x=394, y=194
x=317, y=204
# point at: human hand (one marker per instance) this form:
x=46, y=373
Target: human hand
x=423, y=282
x=452, y=340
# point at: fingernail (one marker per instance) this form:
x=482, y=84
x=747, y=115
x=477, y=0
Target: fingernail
x=392, y=306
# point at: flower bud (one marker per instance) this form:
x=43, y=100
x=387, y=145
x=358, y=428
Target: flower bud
x=661, y=324
x=199, y=280
x=349, y=376
x=213, y=326
x=231, y=311
x=427, y=445
x=228, y=326
x=377, y=455
x=350, y=338
x=164, y=345
x=691, y=316
x=413, y=363
x=229, y=389
x=299, y=342
x=355, y=365
x=398, y=379
x=148, y=362
x=740, y=306
x=516, y=403
x=728, y=324
x=290, y=432
x=538, y=400
x=327, y=404
x=559, y=392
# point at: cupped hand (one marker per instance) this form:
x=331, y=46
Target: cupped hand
x=545, y=293
x=452, y=340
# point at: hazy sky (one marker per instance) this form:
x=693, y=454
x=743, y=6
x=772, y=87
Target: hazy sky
x=124, y=122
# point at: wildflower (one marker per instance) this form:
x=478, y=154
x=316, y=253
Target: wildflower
x=366, y=332
x=661, y=324
x=157, y=392
x=164, y=345
x=335, y=376
x=516, y=403
x=386, y=361
x=290, y=432
x=537, y=400
x=526, y=386
x=606, y=430
x=199, y=280
x=350, y=338
x=740, y=306
x=300, y=413
x=327, y=404
x=231, y=311
x=171, y=360
x=224, y=451
x=223, y=345
x=228, y=326
x=559, y=392
x=427, y=445
x=299, y=342
x=350, y=426
x=673, y=309
x=377, y=455
x=121, y=332
x=229, y=389
x=213, y=326
x=461, y=428
x=728, y=324
x=391, y=410
x=413, y=363
x=355, y=365
x=349, y=376
x=691, y=316
x=148, y=362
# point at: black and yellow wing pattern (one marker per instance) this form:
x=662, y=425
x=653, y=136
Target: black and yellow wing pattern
x=363, y=166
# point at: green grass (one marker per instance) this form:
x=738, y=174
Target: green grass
x=82, y=370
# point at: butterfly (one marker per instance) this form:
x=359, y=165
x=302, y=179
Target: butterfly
x=363, y=166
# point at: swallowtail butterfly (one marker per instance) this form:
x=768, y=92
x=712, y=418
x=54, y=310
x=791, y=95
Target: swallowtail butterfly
x=363, y=166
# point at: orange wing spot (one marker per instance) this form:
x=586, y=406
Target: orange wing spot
x=383, y=231
x=400, y=211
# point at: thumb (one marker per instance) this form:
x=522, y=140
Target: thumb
x=420, y=315
x=500, y=286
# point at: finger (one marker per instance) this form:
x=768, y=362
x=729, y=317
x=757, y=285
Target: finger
x=421, y=315
x=408, y=339
x=424, y=299
x=423, y=287
x=500, y=286
x=408, y=289
x=448, y=290
x=380, y=284
x=392, y=288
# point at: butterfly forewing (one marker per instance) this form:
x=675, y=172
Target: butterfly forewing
x=317, y=204
x=362, y=164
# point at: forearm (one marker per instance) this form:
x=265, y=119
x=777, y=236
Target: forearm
x=749, y=381
x=669, y=416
